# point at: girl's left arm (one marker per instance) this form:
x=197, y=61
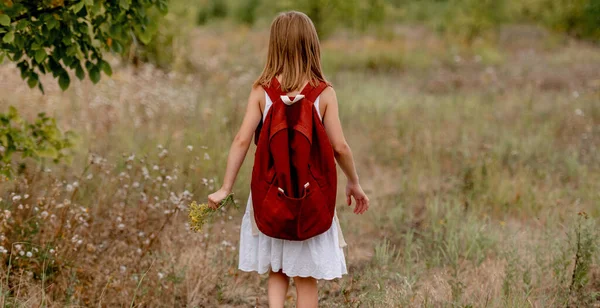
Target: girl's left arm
x=239, y=146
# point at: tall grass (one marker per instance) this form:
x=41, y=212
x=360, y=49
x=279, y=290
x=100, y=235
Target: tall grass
x=477, y=170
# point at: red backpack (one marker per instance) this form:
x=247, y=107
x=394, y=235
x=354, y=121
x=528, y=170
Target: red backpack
x=294, y=178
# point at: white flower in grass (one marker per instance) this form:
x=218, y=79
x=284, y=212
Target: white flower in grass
x=163, y=153
x=160, y=275
x=18, y=247
x=121, y=226
x=44, y=214
x=122, y=268
x=16, y=198
x=206, y=156
x=69, y=188
x=29, y=254
x=21, y=252
x=190, y=148
x=155, y=167
x=76, y=184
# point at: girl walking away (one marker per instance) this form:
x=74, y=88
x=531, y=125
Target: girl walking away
x=290, y=227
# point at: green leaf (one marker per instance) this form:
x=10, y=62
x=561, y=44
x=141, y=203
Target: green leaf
x=145, y=36
x=79, y=72
x=4, y=20
x=77, y=7
x=40, y=55
x=64, y=81
x=117, y=47
x=89, y=2
x=32, y=82
x=106, y=68
x=124, y=4
x=23, y=23
x=52, y=23
x=94, y=74
x=8, y=37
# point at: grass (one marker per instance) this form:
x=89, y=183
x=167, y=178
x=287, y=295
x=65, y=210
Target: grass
x=478, y=160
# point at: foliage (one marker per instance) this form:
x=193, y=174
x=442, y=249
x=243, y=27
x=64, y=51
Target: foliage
x=214, y=9
x=58, y=36
x=38, y=140
x=579, y=18
x=468, y=19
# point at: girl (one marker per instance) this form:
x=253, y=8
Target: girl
x=294, y=59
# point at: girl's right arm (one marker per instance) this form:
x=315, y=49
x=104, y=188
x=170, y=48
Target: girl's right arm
x=239, y=146
x=342, y=151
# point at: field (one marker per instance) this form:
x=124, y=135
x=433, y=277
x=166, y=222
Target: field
x=482, y=161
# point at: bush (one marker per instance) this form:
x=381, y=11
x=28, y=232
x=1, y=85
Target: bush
x=38, y=140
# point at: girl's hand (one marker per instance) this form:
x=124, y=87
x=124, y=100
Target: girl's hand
x=362, y=201
x=215, y=198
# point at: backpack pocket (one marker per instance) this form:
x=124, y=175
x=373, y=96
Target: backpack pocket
x=314, y=217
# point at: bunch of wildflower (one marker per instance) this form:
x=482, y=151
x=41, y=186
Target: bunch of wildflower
x=199, y=214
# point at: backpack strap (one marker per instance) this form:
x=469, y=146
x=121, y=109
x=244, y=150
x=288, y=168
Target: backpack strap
x=274, y=91
x=316, y=91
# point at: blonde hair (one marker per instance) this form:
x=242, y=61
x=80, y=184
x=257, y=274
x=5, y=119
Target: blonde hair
x=294, y=53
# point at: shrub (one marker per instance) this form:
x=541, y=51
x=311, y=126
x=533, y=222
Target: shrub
x=38, y=140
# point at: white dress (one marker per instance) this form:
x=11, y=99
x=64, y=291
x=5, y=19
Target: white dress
x=320, y=257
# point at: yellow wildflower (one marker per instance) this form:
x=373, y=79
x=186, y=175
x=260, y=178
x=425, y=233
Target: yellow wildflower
x=199, y=214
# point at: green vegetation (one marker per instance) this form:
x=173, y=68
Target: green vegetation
x=38, y=140
x=57, y=36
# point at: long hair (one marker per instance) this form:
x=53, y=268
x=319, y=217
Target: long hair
x=294, y=53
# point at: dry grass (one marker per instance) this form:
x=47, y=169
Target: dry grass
x=477, y=160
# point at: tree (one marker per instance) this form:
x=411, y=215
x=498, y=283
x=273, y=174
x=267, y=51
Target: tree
x=58, y=36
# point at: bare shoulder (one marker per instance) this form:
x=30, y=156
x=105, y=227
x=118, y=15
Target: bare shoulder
x=257, y=93
x=328, y=96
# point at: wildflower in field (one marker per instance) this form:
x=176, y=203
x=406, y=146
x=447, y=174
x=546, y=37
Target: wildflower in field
x=190, y=148
x=29, y=254
x=200, y=213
